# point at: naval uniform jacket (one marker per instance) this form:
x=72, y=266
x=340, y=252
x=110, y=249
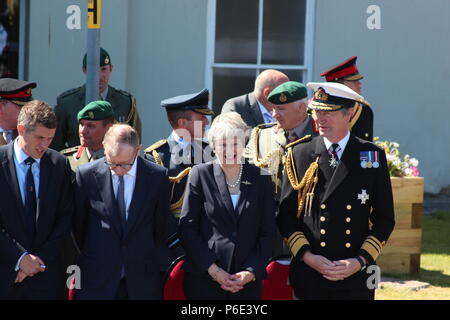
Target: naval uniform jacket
x=339, y=225
x=169, y=154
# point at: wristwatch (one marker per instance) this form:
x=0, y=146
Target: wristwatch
x=361, y=262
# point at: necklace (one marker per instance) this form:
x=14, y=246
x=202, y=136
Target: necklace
x=234, y=185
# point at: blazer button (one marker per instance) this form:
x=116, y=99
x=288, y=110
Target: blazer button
x=323, y=244
x=347, y=231
x=348, y=245
x=322, y=219
x=349, y=207
x=323, y=206
x=322, y=231
x=348, y=219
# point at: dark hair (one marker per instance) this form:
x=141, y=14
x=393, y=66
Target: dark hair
x=37, y=112
x=174, y=116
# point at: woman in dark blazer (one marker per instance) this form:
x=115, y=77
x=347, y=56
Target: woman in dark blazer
x=227, y=222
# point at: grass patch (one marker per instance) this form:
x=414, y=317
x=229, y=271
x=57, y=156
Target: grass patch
x=434, y=263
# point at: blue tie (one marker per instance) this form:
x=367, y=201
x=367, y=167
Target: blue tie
x=30, y=200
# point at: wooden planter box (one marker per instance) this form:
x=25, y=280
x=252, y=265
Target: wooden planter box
x=402, y=251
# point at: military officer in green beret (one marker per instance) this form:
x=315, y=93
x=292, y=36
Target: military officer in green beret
x=267, y=146
x=69, y=103
x=13, y=95
x=94, y=120
x=336, y=211
x=187, y=115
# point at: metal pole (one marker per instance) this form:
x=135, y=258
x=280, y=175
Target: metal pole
x=92, y=65
x=93, y=50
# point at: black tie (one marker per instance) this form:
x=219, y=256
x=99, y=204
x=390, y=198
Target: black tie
x=30, y=199
x=121, y=202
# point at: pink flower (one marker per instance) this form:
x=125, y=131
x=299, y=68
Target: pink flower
x=414, y=171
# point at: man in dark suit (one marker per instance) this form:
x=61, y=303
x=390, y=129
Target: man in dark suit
x=70, y=102
x=36, y=210
x=254, y=107
x=120, y=216
x=347, y=73
x=336, y=209
x=187, y=115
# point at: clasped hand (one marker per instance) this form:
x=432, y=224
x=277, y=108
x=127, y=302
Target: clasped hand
x=332, y=270
x=230, y=282
x=29, y=266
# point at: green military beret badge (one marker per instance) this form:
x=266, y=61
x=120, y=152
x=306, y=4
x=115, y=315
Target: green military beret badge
x=288, y=92
x=96, y=110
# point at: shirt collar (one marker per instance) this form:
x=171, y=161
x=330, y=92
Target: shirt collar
x=131, y=172
x=300, y=129
x=263, y=110
x=104, y=94
x=342, y=143
x=183, y=143
x=21, y=156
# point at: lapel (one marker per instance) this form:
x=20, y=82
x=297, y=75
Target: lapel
x=343, y=168
x=45, y=175
x=324, y=158
x=9, y=169
x=245, y=188
x=219, y=177
x=104, y=182
x=254, y=109
x=177, y=158
x=280, y=137
x=141, y=189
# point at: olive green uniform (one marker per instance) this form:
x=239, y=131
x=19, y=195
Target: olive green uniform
x=69, y=103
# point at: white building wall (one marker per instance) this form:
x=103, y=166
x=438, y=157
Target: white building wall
x=407, y=72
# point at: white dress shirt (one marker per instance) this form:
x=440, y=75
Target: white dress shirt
x=21, y=170
x=342, y=143
x=130, y=180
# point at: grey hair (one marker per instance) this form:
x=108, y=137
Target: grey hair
x=228, y=125
x=118, y=135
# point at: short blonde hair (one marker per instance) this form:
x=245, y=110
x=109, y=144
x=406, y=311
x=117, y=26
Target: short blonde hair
x=228, y=125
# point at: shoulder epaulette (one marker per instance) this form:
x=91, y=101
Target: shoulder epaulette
x=266, y=125
x=125, y=93
x=156, y=145
x=69, y=150
x=306, y=138
x=68, y=92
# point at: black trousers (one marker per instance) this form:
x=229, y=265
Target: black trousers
x=122, y=291
x=20, y=291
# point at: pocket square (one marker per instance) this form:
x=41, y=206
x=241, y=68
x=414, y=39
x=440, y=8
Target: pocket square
x=105, y=225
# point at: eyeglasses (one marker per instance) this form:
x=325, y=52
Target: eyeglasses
x=125, y=166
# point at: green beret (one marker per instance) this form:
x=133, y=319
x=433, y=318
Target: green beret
x=105, y=59
x=96, y=110
x=288, y=92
